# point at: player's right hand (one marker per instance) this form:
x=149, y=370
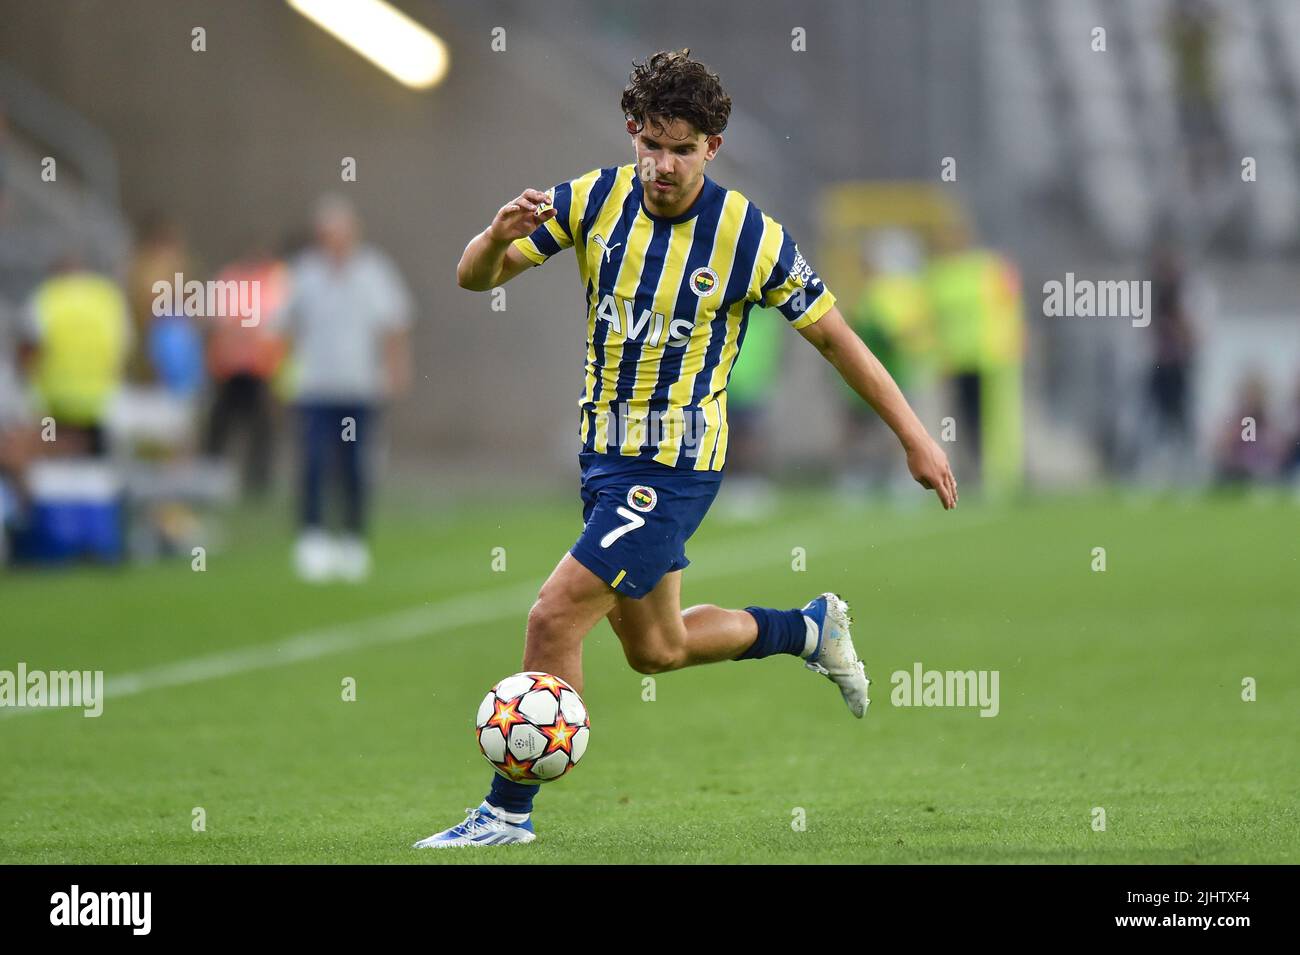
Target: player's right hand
x=520, y=216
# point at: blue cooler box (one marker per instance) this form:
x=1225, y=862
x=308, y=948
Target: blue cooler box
x=77, y=511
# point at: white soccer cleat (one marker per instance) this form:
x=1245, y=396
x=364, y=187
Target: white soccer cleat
x=833, y=655
x=480, y=828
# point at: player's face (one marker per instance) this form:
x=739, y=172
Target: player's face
x=670, y=158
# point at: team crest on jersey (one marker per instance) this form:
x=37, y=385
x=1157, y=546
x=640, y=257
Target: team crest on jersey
x=703, y=281
x=642, y=498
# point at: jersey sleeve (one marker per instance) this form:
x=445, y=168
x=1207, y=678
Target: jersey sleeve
x=793, y=288
x=553, y=235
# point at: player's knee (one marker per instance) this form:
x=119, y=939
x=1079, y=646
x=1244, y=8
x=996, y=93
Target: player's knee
x=657, y=658
x=550, y=620
x=543, y=619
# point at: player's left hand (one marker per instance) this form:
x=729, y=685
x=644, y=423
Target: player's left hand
x=929, y=465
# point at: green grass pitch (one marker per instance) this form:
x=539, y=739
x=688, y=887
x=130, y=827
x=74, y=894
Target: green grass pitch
x=1119, y=690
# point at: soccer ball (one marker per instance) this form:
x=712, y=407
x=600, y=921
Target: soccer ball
x=532, y=727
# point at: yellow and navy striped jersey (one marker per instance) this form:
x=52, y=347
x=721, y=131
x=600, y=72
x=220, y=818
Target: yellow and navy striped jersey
x=668, y=301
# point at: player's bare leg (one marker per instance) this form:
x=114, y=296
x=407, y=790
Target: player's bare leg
x=658, y=636
x=570, y=603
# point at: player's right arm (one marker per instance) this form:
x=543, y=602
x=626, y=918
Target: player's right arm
x=491, y=259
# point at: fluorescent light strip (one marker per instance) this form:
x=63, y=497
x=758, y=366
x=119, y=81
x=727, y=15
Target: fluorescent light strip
x=384, y=35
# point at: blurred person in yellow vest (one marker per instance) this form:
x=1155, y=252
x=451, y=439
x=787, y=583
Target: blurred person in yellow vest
x=243, y=359
x=78, y=335
x=979, y=322
x=892, y=315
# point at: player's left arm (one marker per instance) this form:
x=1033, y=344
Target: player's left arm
x=840, y=345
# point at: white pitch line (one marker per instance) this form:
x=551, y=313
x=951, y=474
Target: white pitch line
x=450, y=614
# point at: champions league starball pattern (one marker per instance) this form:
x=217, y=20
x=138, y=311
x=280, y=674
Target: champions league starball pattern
x=532, y=727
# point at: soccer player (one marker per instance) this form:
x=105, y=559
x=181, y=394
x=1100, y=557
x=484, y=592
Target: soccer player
x=671, y=263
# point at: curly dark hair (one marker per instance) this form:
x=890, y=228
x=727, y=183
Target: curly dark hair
x=670, y=85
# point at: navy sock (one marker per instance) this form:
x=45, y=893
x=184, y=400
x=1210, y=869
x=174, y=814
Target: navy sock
x=779, y=631
x=511, y=796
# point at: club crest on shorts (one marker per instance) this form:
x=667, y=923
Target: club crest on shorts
x=642, y=498
x=703, y=281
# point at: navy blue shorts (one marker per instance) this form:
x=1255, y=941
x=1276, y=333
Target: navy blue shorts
x=638, y=516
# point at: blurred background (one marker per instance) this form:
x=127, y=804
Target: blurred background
x=938, y=161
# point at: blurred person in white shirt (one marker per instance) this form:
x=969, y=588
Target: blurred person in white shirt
x=347, y=316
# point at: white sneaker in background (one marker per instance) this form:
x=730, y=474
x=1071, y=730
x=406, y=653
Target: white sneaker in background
x=352, y=559
x=313, y=556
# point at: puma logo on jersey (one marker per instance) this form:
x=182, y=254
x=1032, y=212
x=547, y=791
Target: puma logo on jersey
x=648, y=327
x=608, y=249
